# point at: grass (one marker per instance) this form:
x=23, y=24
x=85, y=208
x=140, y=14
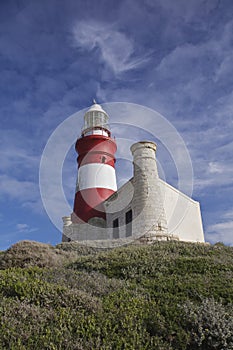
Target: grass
x=169, y=295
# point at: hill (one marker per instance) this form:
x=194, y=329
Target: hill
x=165, y=296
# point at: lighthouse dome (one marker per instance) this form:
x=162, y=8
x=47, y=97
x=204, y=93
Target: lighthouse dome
x=96, y=121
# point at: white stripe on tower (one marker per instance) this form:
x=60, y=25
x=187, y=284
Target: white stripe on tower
x=96, y=175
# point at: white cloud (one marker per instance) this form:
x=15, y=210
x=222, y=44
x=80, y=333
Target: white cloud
x=116, y=49
x=181, y=57
x=22, y=227
x=25, y=228
x=212, y=174
x=12, y=157
x=18, y=190
x=221, y=232
x=215, y=168
x=19, y=168
x=224, y=68
x=17, y=152
x=194, y=69
x=224, y=110
x=228, y=215
x=187, y=10
x=15, y=232
x=211, y=152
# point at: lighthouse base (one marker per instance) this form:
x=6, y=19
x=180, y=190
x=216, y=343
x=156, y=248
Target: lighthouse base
x=94, y=230
x=101, y=237
x=96, y=233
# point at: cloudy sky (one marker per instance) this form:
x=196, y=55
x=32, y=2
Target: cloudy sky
x=171, y=56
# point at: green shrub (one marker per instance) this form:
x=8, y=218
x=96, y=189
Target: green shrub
x=167, y=296
x=210, y=324
x=29, y=253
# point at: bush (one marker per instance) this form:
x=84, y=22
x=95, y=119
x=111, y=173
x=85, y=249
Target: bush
x=166, y=296
x=29, y=253
x=210, y=325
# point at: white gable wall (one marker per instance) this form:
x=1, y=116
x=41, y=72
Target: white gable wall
x=183, y=214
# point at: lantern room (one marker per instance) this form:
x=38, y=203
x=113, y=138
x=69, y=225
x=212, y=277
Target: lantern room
x=96, y=121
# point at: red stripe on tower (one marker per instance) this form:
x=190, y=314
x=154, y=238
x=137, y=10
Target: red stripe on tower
x=96, y=179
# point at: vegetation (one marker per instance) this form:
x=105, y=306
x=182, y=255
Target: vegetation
x=165, y=296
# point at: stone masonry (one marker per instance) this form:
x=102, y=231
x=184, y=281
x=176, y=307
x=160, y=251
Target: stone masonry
x=147, y=201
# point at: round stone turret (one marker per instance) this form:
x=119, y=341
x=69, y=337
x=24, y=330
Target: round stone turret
x=147, y=202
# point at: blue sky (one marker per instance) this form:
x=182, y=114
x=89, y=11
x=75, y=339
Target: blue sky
x=172, y=56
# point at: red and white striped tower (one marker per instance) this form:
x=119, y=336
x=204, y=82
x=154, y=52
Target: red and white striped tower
x=96, y=179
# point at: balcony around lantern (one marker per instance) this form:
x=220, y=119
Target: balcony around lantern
x=96, y=131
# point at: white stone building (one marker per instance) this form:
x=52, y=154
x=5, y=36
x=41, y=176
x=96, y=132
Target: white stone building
x=143, y=209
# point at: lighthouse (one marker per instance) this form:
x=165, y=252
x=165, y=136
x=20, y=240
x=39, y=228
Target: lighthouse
x=145, y=208
x=96, y=179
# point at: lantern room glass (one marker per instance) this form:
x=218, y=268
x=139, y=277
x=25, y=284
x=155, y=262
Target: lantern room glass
x=95, y=119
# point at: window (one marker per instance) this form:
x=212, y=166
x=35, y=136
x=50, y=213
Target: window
x=115, y=225
x=128, y=222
